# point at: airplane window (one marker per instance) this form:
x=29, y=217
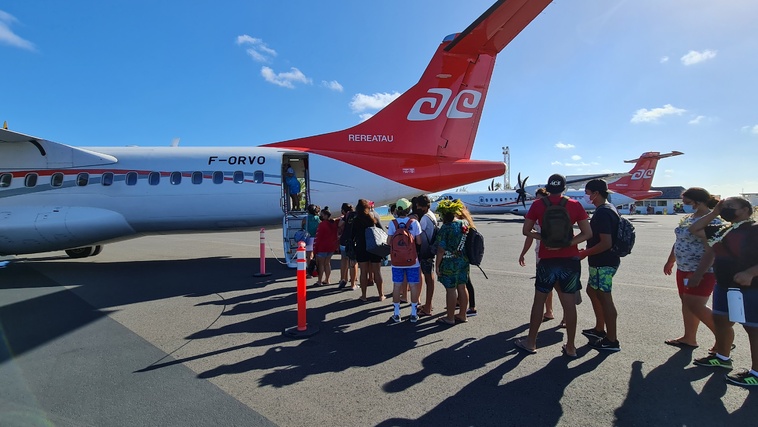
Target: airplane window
x=258, y=177
x=82, y=179
x=239, y=177
x=107, y=179
x=56, y=180
x=30, y=180
x=197, y=177
x=218, y=177
x=5, y=180
x=131, y=178
x=154, y=178
x=176, y=178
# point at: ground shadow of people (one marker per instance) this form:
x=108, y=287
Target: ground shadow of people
x=529, y=400
x=665, y=396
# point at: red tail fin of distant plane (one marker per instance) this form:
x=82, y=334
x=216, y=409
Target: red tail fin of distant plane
x=637, y=184
x=425, y=137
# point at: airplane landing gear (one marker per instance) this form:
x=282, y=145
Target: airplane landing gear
x=84, y=252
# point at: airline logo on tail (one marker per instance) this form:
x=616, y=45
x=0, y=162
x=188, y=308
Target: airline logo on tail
x=470, y=103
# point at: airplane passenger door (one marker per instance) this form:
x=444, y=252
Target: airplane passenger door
x=295, y=176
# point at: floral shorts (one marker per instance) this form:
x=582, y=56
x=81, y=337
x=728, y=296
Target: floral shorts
x=601, y=278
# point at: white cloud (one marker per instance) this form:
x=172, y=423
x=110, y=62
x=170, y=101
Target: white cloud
x=693, y=57
x=563, y=146
x=556, y=163
x=286, y=79
x=365, y=116
x=580, y=164
x=377, y=101
x=751, y=129
x=258, y=50
x=643, y=115
x=576, y=157
x=697, y=120
x=7, y=36
x=664, y=59
x=333, y=85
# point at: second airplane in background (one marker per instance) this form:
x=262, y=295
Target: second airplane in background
x=629, y=188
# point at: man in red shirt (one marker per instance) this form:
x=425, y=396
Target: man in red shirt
x=559, y=267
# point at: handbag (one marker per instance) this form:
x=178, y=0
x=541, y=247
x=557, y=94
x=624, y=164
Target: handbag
x=376, y=242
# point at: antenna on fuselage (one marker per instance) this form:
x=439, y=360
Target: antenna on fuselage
x=5, y=125
x=175, y=142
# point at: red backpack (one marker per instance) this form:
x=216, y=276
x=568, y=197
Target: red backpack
x=403, y=245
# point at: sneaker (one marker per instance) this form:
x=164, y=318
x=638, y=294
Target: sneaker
x=396, y=319
x=604, y=344
x=593, y=333
x=470, y=313
x=743, y=377
x=414, y=318
x=713, y=360
x=342, y=284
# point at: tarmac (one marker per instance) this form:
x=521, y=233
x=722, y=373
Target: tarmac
x=178, y=330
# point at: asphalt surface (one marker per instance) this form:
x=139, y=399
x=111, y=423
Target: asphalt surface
x=178, y=330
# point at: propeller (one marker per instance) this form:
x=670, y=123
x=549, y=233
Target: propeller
x=520, y=190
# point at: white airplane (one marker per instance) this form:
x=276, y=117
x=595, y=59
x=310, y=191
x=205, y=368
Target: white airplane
x=59, y=197
x=629, y=188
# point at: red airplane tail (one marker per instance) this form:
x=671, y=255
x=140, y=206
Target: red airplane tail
x=637, y=184
x=435, y=121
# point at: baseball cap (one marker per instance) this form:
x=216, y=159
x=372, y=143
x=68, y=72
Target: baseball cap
x=598, y=185
x=556, y=184
x=403, y=204
x=290, y=170
x=370, y=203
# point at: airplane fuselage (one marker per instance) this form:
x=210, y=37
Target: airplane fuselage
x=166, y=189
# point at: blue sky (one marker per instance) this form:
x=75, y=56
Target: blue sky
x=588, y=84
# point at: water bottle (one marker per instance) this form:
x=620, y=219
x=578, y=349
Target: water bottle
x=735, y=305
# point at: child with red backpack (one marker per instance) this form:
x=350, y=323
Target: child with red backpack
x=404, y=234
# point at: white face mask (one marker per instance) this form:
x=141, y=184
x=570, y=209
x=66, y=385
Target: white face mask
x=588, y=199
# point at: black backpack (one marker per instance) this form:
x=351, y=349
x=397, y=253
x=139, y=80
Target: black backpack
x=346, y=239
x=473, y=248
x=623, y=241
x=557, y=228
x=429, y=244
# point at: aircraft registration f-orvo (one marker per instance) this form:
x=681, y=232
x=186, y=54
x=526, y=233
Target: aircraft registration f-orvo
x=629, y=188
x=58, y=197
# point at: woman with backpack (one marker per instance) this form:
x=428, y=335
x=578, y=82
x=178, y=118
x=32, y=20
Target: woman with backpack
x=466, y=216
x=368, y=263
x=348, y=266
x=451, y=264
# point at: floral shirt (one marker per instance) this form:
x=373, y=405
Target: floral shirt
x=449, y=238
x=689, y=248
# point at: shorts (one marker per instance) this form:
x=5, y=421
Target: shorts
x=324, y=254
x=601, y=278
x=704, y=289
x=412, y=274
x=450, y=280
x=749, y=299
x=309, y=243
x=427, y=265
x=565, y=271
x=368, y=257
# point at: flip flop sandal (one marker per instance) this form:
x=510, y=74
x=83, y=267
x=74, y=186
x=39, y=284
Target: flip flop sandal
x=443, y=321
x=677, y=343
x=565, y=353
x=520, y=344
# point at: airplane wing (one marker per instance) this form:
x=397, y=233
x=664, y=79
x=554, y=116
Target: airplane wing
x=29, y=152
x=500, y=24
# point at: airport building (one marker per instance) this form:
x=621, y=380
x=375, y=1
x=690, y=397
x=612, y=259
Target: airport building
x=671, y=202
